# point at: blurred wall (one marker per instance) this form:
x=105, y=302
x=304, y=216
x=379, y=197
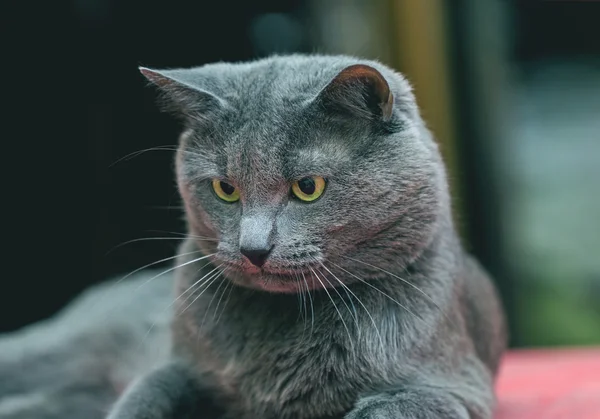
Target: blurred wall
x=75, y=105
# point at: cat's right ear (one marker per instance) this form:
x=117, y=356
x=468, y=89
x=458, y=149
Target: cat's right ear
x=361, y=91
x=181, y=96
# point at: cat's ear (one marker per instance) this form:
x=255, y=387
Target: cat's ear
x=180, y=95
x=361, y=90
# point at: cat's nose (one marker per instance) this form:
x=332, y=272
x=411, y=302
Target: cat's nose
x=257, y=256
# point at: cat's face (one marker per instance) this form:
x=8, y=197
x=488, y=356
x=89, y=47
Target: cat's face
x=286, y=185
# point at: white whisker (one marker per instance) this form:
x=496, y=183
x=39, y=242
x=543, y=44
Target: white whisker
x=154, y=263
x=145, y=239
x=299, y=295
x=186, y=235
x=303, y=294
x=221, y=298
x=174, y=268
x=165, y=207
x=175, y=300
x=335, y=306
x=231, y=285
x=193, y=286
x=353, y=311
x=361, y=303
x=302, y=310
x=378, y=290
x=138, y=152
x=203, y=291
x=401, y=279
x=223, y=281
x=134, y=154
x=206, y=310
x=312, y=310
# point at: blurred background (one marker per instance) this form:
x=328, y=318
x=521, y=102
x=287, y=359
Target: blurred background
x=511, y=89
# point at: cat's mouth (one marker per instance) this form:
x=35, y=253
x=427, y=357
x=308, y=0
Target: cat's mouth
x=274, y=279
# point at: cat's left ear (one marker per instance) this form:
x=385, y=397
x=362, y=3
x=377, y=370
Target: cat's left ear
x=181, y=94
x=361, y=90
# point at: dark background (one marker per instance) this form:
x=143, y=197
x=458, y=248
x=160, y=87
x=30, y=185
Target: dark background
x=74, y=104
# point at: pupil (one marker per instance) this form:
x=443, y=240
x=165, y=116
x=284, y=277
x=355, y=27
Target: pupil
x=307, y=186
x=227, y=188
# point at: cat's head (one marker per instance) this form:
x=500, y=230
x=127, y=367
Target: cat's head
x=296, y=166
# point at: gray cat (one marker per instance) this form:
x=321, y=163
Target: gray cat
x=322, y=276
x=315, y=175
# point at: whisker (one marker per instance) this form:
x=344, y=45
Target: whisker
x=187, y=235
x=344, y=288
x=226, y=300
x=299, y=296
x=302, y=312
x=203, y=291
x=360, y=302
x=221, y=298
x=312, y=310
x=378, y=290
x=138, y=152
x=174, y=301
x=303, y=294
x=223, y=281
x=353, y=311
x=211, y=300
x=156, y=148
x=152, y=264
x=143, y=239
x=165, y=207
x=197, y=284
x=335, y=306
x=401, y=279
x=173, y=268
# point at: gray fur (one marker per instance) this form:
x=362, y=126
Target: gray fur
x=75, y=364
x=416, y=329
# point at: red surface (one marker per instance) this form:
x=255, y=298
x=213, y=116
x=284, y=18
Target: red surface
x=549, y=384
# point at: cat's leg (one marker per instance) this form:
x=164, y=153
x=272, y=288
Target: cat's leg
x=170, y=392
x=455, y=397
x=418, y=403
x=412, y=403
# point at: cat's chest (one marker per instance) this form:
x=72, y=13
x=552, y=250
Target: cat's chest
x=273, y=361
x=265, y=378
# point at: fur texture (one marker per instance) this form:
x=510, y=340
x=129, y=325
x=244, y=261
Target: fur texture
x=76, y=364
x=367, y=306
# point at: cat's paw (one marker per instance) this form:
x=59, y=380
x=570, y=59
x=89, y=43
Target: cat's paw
x=377, y=407
x=404, y=406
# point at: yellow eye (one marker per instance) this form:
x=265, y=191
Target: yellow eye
x=225, y=191
x=309, y=188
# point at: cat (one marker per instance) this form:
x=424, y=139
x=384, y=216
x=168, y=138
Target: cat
x=321, y=276
x=315, y=176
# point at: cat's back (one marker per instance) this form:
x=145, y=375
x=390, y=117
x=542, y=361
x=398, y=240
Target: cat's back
x=81, y=359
